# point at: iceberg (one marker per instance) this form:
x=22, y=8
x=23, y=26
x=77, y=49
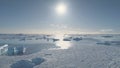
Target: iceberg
x=3, y=49
x=8, y=50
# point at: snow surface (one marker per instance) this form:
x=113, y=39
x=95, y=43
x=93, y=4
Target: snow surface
x=86, y=53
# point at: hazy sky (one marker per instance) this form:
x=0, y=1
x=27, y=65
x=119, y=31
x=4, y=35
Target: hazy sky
x=40, y=16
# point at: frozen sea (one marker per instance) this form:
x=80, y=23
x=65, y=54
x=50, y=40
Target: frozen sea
x=62, y=51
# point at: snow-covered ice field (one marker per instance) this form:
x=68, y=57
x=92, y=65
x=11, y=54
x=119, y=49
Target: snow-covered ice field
x=80, y=51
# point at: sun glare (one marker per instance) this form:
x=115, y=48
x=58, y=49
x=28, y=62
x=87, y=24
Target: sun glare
x=61, y=8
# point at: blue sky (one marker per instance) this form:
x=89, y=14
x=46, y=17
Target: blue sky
x=39, y=16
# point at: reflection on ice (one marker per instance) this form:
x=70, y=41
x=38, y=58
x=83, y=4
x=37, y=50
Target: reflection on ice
x=62, y=44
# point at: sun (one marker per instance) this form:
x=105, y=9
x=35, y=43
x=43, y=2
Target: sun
x=61, y=8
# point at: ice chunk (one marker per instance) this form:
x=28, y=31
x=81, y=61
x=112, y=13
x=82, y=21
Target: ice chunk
x=67, y=39
x=19, y=50
x=23, y=64
x=104, y=43
x=77, y=39
x=116, y=42
x=10, y=51
x=3, y=49
x=109, y=43
x=107, y=36
x=27, y=64
x=55, y=40
x=37, y=61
